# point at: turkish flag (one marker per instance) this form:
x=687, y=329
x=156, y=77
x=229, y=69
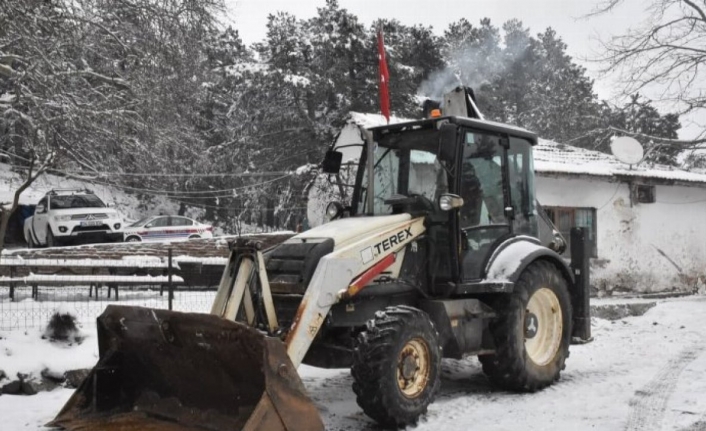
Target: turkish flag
x=384, y=78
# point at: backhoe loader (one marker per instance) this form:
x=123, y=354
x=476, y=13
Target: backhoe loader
x=441, y=253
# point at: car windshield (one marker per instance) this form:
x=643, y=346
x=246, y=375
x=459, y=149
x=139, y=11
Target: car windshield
x=140, y=222
x=76, y=201
x=404, y=166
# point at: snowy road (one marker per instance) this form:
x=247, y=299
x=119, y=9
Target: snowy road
x=640, y=373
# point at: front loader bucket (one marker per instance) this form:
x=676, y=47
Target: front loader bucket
x=169, y=371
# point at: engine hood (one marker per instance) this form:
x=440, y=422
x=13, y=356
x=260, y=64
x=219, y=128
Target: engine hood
x=110, y=212
x=350, y=229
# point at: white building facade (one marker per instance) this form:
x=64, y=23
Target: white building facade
x=648, y=223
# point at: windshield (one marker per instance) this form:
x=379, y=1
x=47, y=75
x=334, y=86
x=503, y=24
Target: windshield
x=76, y=201
x=404, y=167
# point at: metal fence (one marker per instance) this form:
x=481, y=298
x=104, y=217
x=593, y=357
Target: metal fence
x=26, y=311
x=32, y=290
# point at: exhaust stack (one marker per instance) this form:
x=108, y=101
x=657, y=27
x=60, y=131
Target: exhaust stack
x=460, y=102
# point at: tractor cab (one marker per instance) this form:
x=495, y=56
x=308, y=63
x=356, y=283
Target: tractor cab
x=488, y=167
x=424, y=167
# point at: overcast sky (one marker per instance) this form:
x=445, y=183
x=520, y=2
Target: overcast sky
x=567, y=17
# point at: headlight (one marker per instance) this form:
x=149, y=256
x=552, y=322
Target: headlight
x=62, y=218
x=448, y=202
x=334, y=210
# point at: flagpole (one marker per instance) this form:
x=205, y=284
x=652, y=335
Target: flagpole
x=384, y=75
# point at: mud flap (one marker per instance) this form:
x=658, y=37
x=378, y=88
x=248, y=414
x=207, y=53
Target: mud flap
x=164, y=370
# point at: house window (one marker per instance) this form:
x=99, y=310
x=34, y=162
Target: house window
x=564, y=218
x=644, y=194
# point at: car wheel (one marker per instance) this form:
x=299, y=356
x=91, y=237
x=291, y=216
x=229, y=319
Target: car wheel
x=195, y=237
x=133, y=239
x=51, y=241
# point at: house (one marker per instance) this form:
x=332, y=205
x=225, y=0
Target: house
x=647, y=224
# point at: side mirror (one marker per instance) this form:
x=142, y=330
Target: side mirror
x=39, y=209
x=448, y=201
x=149, y=225
x=111, y=205
x=332, y=162
x=447, y=142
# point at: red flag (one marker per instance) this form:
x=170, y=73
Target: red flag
x=384, y=78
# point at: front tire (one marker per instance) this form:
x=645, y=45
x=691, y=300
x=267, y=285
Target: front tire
x=30, y=241
x=532, y=332
x=133, y=239
x=51, y=240
x=397, y=366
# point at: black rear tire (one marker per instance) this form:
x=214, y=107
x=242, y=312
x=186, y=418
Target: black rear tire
x=397, y=366
x=518, y=364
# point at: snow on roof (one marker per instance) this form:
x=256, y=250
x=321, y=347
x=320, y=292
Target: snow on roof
x=553, y=158
x=374, y=120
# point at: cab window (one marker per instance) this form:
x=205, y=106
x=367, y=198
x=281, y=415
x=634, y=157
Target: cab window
x=482, y=181
x=521, y=178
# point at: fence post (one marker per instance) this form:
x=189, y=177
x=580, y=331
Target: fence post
x=580, y=266
x=170, y=285
x=12, y=285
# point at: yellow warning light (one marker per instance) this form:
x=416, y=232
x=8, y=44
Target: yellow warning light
x=435, y=113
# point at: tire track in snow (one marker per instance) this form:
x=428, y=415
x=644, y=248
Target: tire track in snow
x=649, y=403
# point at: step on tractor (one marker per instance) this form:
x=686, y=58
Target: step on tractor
x=442, y=252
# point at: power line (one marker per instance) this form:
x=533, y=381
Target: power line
x=226, y=207
x=190, y=194
x=138, y=174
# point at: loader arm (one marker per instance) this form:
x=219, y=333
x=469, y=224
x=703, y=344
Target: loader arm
x=334, y=275
x=338, y=275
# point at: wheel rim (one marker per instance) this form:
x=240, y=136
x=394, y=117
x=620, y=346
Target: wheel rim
x=543, y=326
x=413, y=367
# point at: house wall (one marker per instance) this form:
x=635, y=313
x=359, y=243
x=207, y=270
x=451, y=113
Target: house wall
x=644, y=247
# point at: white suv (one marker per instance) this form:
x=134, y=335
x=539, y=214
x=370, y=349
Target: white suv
x=72, y=216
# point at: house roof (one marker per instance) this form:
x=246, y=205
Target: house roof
x=552, y=158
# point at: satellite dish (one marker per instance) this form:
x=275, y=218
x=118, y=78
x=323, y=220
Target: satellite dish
x=627, y=150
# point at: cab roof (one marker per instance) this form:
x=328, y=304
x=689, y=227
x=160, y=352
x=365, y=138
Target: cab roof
x=474, y=123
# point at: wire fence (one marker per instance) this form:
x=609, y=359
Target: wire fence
x=33, y=309
x=32, y=290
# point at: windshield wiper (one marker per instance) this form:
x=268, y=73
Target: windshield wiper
x=381, y=157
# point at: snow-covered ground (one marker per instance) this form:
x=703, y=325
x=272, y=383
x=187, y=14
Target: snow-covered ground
x=640, y=373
